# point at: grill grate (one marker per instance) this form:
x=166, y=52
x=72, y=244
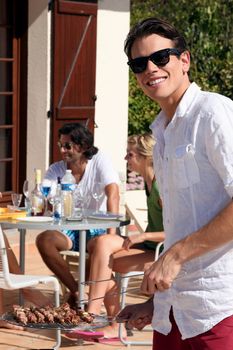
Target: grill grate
x=99, y=321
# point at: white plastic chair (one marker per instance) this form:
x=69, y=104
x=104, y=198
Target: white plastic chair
x=12, y=281
x=124, y=281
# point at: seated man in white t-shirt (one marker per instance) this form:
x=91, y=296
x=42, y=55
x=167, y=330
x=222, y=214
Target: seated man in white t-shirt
x=88, y=166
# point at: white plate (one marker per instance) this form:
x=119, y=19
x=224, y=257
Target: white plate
x=36, y=218
x=105, y=216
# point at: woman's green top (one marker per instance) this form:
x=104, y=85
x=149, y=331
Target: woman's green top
x=154, y=214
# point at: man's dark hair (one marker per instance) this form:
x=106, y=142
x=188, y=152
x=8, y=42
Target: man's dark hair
x=80, y=135
x=154, y=26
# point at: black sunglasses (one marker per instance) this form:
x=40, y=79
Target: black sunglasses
x=65, y=145
x=159, y=58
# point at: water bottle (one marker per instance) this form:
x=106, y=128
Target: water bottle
x=57, y=201
x=67, y=187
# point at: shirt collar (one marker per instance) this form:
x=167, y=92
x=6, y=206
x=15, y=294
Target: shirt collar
x=187, y=100
x=182, y=109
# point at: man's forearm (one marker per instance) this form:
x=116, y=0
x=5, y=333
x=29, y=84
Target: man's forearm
x=216, y=233
x=161, y=274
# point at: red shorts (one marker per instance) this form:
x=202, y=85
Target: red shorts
x=220, y=337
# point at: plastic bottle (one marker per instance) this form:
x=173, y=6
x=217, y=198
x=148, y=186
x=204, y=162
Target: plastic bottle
x=37, y=199
x=67, y=187
x=57, y=201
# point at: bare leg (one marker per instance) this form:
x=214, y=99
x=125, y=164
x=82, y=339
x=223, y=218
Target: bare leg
x=107, y=256
x=132, y=260
x=49, y=244
x=101, y=268
x=101, y=251
x=103, y=262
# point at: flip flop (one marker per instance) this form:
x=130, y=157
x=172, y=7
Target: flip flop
x=109, y=341
x=89, y=336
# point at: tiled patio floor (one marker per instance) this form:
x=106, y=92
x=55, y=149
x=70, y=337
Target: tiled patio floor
x=12, y=340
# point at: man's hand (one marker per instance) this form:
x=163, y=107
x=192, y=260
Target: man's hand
x=138, y=315
x=161, y=274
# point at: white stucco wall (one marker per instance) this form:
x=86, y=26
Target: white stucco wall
x=38, y=92
x=111, y=82
x=112, y=79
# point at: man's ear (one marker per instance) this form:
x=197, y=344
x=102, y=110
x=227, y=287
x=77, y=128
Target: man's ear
x=185, y=58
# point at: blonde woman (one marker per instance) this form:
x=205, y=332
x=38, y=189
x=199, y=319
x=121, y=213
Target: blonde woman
x=115, y=253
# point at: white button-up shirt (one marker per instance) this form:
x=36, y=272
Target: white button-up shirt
x=193, y=159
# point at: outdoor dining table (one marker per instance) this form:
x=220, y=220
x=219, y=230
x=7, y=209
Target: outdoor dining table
x=63, y=224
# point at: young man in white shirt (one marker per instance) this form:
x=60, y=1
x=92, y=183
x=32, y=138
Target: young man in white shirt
x=192, y=281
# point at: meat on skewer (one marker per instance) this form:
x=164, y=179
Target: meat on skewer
x=62, y=315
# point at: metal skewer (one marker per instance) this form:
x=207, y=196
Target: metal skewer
x=110, y=295
x=108, y=279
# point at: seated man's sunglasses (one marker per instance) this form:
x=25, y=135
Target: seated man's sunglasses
x=65, y=145
x=160, y=58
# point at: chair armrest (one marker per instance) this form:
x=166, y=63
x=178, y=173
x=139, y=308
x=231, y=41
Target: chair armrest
x=159, y=245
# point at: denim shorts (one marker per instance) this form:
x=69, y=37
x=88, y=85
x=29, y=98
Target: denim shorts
x=74, y=236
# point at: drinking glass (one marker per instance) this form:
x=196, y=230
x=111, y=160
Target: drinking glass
x=52, y=193
x=97, y=194
x=26, y=188
x=81, y=200
x=55, y=199
x=16, y=199
x=78, y=197
x=27, y=192
x=45, y=188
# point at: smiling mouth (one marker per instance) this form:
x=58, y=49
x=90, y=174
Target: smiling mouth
x=156, y=81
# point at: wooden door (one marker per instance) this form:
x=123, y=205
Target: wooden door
x=13, y=86
x=74, y=66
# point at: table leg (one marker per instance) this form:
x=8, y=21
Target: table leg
x=22, y=233
x=82, y=266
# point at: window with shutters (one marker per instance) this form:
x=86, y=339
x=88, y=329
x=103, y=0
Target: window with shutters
x=13, y=32
x=74, y=65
